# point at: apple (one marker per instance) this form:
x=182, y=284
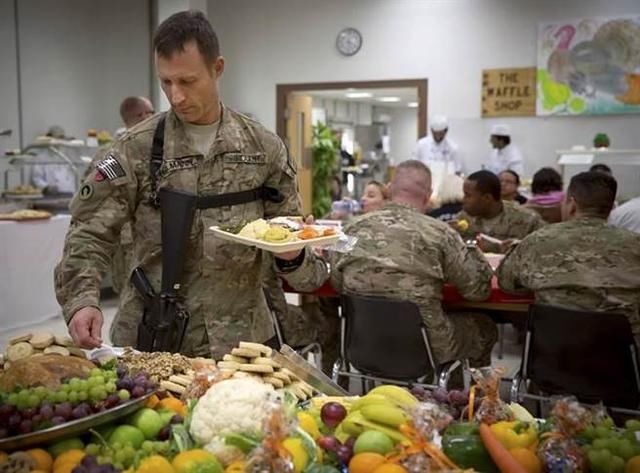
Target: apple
x=127, y=434
x=148, y=421
x=373, y=441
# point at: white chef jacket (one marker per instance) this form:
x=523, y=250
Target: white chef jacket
x=59, y=175
x=627, y=216
x=428, y=151
x=508, y=157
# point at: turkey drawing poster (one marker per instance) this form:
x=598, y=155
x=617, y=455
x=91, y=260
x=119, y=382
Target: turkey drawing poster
x=589, y=66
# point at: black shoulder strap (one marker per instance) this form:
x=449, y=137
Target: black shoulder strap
x=243, y=197
x=155, y=163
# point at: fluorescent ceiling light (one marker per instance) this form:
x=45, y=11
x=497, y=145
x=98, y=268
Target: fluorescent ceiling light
x=358, y=95
x=412, y=105
x=389, y=99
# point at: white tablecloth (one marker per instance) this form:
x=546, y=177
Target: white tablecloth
x=29, y=252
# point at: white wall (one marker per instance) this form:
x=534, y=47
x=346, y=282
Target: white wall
x=78, y=59
x=403, y=129
x=8, y=77
x=447, y=41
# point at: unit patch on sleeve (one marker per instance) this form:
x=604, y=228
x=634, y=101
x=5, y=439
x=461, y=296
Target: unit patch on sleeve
x=110, y=168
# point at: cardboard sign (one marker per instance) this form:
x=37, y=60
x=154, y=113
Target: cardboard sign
x=509, y=92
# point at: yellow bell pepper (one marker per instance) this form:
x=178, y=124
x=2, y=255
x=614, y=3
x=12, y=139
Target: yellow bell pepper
x=515, y=434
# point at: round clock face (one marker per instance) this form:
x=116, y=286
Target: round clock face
x=349, y=41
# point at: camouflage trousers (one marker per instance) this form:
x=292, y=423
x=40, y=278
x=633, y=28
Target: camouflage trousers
x=474, y=336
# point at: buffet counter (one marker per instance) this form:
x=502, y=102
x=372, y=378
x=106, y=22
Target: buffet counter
x=29, y=252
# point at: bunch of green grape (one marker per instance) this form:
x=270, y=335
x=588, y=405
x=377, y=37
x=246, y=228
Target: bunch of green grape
x=610, y=448
x=123, y=457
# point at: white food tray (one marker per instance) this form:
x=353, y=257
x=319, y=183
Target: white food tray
x=276, y=247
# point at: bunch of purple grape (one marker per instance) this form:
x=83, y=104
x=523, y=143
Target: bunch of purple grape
x=456, y=402
x=89, y=464
x=344, y=451
x=27, y=410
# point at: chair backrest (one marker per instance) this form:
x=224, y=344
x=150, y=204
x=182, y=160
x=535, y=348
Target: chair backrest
x=589, y=354
x=385, y=338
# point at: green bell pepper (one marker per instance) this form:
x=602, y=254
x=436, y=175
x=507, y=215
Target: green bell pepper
x=463, y=445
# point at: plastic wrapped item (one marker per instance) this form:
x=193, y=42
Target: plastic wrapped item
x=345, y=244
x=206, y=375
x=271, y=456
x=492, y=409
x=558, y=452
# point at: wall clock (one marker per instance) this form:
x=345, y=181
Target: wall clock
x=349, y=41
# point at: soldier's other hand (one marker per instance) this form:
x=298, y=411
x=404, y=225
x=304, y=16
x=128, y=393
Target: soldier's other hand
x=85, y=327
x=289, y=255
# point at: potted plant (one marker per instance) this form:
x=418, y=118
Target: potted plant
x=324, y=147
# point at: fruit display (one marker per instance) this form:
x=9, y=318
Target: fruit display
x=233, y=416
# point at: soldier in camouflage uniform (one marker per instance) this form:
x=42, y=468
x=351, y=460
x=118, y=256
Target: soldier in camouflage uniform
x=403, y=254
x=581, y=263
x=222, y=281
x=487, y=213
x=133, y=110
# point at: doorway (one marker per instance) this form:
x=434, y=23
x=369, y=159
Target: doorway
x=377, y=124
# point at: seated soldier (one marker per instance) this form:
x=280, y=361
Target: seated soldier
x=581, y=263
x=488, y=215
x=547, y=197
x=405, y=255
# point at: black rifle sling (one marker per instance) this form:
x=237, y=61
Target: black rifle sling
x=208, y=201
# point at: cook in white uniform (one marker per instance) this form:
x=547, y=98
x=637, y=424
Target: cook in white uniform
x=438, y=148
x=504, y=155
x=53, y=178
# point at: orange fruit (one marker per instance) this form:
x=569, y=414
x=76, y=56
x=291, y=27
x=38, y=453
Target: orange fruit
x=155, y=464
x=365, y=462
x=3, y=456
x=632, y=466
x=44, y=461
x=174, y=404
x=236, y=467
x=70, y=457
x=390, y=468
x=39, y=471
x=65, y=467
x=152, y=402
x=527, y=459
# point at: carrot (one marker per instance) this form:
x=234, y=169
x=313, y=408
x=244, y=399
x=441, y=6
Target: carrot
x=500, y=455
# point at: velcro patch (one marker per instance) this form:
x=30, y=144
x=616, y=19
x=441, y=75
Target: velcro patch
x=256, y=158
x=110, y=168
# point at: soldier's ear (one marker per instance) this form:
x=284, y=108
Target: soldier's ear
x=218, y=67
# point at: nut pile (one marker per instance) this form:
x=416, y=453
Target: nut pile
x=162, y=367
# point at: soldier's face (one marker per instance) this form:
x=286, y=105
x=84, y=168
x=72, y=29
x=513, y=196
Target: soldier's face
x=473, y=201
x=191, y=85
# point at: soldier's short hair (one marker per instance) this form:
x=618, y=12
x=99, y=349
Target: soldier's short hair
x=411, y=177
x=486, y=183
x=183, y=27
x=415, y=165
x=546, y=180
x=600, y=167
x=594, y=192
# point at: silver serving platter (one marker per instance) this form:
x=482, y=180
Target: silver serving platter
x=74, y=427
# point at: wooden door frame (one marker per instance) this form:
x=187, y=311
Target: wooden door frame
x=283, y=91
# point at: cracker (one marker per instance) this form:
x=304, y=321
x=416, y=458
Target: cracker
x=56, y=350
x=41, y=340
x=275, y=382
x=245, y=352
x=256, y=368
x=237, y=359
x=20, y=338
x=229, y=365
x=282, y=376
x=262, y=360
x=259, y=347
x=79, y=352
x=63, y=340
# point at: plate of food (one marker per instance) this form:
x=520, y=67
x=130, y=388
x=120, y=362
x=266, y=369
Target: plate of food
x=26, y=215
x=24, y=192
x=278, y=235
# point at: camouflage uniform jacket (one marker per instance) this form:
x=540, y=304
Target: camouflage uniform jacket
x=403, y=254
x=579, y=264
x=514, y=222
x=222, y=281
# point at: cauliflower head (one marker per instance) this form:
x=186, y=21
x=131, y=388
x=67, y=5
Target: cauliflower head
x=230, y=406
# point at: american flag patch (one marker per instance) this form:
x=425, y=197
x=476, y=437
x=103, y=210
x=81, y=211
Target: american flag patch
x=110, y=168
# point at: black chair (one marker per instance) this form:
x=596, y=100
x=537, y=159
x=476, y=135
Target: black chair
x=385, y=340
x=591, y=355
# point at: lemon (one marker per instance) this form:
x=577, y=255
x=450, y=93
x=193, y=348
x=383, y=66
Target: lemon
x=309, y=424
x=155, y=464
x=299, y=454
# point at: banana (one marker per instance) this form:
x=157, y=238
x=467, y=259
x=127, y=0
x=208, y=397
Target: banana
x=387, y=415
x=355, y=424
x=399, y=396
x=370, y=399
